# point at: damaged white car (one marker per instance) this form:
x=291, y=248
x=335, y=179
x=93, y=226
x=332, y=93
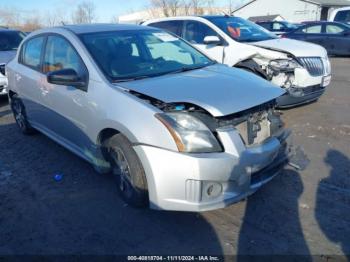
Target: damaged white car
x=301, y=68
x=9, y=42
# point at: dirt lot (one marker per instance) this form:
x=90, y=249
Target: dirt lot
x=297, y=213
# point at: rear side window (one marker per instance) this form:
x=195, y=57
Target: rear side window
x=195, y=32
x=174, y=27
x=334, y=29
x=31, y=53
x=343, y=16
x=314, y=29
x=60, y=55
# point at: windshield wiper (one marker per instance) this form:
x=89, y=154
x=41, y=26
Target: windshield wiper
x=186, y=69
x=130, y=79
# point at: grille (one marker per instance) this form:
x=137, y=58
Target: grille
x=2, y=69
x=314, y=65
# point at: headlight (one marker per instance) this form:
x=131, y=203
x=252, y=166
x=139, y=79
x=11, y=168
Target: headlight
x=189, y=133
x=284, y=65
x=327, y=65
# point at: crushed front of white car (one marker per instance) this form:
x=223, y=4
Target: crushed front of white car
x=303, y=69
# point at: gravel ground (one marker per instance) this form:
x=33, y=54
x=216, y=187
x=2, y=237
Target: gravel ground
x=305, y=213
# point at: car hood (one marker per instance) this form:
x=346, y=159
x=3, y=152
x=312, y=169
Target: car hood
x=218, y=89
x=6, y=56
x=294, y=47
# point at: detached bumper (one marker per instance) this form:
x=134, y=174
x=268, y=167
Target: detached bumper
x=201, y=182
x=300, y=96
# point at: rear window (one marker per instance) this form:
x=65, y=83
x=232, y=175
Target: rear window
x=10, y=40
x=343, y=16
x=313, y=29
x=174, y=27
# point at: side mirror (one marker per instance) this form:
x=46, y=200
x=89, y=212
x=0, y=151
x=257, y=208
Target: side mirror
x=66, y=77
x=212, y=40
x=346, y=33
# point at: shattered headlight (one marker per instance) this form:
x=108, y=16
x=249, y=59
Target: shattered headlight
x=284, y=65
x=190, y=134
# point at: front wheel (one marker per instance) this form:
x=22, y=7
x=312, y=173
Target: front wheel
x=128, y=171
x=20, y=115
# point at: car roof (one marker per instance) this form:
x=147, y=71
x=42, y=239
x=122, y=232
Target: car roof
x=325, y=22
x=2, y=29
x=94, y=28
x=214, y=16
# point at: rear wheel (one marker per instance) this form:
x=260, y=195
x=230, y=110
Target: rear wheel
x=20, y=115
x=128, y=171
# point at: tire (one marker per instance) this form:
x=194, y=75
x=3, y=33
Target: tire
x=20, y=115
x=128, y=171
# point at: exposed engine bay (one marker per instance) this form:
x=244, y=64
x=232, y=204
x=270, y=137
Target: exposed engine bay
x=255, y=125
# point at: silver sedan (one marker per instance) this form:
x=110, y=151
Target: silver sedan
x=178, y=131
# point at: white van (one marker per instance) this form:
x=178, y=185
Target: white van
x=341, y=15
x=301, y=68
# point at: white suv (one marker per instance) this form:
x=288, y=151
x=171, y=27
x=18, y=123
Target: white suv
x=303, y=69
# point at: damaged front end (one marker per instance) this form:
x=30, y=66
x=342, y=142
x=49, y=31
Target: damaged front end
x=252, y=148
x=263, y=138
x=304, y=79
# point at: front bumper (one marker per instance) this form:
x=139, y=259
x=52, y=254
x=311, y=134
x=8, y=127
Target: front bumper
x=182, y=182
x=300, y=96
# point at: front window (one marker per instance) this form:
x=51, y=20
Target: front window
x=60, y=55
x=242, y=30
x=128, y=55
x=10, y=40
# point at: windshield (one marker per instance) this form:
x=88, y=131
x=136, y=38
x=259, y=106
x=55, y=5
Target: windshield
x=242, y=30
x=10, y=40
x=135, y=54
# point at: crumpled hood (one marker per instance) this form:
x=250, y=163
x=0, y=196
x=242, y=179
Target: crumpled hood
x=294, y=47
x=219, y=89
x=7, y=56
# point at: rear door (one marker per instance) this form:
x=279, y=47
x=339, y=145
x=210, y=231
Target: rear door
x=338, y=39
x=195, y=32
x=312, y=33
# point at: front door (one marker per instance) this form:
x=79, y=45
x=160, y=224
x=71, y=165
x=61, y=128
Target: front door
x=67, y=111
x=338, y=43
